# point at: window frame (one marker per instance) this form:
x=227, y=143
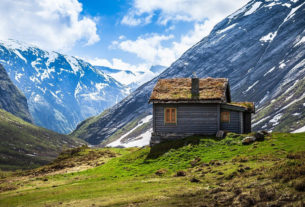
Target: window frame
x=228, y=115
x=170, y=122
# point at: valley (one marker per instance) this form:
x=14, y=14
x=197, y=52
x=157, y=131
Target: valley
x=196, y=171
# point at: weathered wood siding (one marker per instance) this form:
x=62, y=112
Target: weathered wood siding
x=247, y=122
x=235, y=123
x=191, y=118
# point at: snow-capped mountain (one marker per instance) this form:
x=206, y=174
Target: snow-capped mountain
x=132, y=79
x=260, y=48
x=61, y=90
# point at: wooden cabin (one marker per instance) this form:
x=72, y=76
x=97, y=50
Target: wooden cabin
x=191, y=106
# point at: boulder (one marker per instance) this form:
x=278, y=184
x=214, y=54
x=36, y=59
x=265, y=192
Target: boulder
x=259, y=136
x=221, y=134
x=248, y=140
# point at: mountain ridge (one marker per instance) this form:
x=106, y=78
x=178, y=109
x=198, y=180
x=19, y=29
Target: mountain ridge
x=61, y=90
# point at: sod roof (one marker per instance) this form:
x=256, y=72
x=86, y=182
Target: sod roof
x=249, y=106
x=179, y=89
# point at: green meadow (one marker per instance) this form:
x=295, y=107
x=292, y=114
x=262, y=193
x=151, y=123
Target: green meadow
x=196, y=171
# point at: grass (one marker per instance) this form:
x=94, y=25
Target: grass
x=25, y=146
x=228, y=172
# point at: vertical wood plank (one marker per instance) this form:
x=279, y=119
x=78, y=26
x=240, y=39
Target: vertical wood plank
x=218, y=117
x=154, y=117
x=241, y=122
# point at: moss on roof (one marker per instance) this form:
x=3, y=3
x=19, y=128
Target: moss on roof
x=180, y=89
x=248, y=105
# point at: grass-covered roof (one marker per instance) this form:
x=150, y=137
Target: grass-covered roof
x=180, y=89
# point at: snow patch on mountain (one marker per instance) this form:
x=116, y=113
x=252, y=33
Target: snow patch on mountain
x=275, y=119
x=292, y=12
x=269, y=37
x=300, y=41
x=138, y=141
x=302, y=129
x=254, y=7
x=226, y=29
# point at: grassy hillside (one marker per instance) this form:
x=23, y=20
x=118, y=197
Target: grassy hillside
x=197, y=171
x=25, y=146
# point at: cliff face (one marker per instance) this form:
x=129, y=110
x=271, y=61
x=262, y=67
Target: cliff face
x=261, y=50
x=11, y=99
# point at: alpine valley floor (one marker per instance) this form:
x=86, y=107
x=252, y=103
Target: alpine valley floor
x=196, y=171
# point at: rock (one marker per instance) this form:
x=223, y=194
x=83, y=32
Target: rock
x=195, y=180
x=265, y=132
x=241, y=170
x=244, y=199
x=160, y=172
x=248, y=140
x=259, y=136
x=181, y=173
x=195, y=161
x=221, y=134
x=214, y=162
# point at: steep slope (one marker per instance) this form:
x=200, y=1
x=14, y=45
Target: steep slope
x=260, y=48
x=11, y=99
x=24, y=145
x=61, y=90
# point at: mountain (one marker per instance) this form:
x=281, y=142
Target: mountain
x=25, y=146
x=132, y=79
x=11, y=99
x=260, y=48
x=61, y=90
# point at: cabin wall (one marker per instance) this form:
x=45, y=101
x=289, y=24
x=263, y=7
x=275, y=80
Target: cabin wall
x=235, y=124
x=247, y=122
x=191, y=118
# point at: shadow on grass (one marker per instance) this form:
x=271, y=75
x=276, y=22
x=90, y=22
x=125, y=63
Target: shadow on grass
x=160, y=149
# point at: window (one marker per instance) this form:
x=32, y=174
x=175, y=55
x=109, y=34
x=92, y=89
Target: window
x=170, y=116
x=225, y=116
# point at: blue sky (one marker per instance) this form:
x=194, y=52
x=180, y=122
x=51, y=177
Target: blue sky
x=121, y=34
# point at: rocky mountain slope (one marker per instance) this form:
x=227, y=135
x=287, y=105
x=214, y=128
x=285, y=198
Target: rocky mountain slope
x=61, y=90
x=25, y=146
x=11, y=99
x=260, y=48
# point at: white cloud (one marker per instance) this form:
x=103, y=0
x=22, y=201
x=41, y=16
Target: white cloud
x=147, y=47
x=151, y=49
x=180, y=10
x=118, y=64
x=50, y=24
x=131, y=20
